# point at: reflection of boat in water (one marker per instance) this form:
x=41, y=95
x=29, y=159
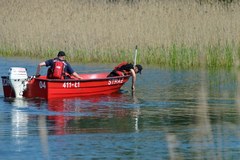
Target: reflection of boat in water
x=72, y=116
x=18, y=84
x=96, y=114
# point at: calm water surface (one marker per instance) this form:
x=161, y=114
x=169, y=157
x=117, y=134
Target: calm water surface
x=173, y=115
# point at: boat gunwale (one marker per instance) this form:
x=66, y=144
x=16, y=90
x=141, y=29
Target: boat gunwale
x=78, y=80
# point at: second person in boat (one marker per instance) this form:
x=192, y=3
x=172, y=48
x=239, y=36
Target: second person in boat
x=126, y=68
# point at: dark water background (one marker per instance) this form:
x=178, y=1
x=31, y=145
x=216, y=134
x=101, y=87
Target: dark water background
x=187, y=114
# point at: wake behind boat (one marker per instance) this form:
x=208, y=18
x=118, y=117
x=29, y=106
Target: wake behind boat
x=18, y=84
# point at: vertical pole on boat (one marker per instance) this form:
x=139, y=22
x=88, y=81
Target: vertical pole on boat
x=133, y=94
x=135, y=56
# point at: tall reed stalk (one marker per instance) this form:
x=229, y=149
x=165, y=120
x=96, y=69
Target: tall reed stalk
x=168, y=33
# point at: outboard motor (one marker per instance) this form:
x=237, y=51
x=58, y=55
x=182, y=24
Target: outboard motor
x=18, y=80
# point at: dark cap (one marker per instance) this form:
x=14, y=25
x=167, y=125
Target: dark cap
x=139, y=68
x=61, y=53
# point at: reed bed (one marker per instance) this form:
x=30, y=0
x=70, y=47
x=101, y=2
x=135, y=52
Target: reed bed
x=180, y=34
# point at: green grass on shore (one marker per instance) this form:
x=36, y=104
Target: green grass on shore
x=176, y=56
x=178, y=34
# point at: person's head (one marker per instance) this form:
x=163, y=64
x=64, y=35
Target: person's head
x=138, y=68
x=61, y=55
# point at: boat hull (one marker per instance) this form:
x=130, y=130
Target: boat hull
x=91, y=84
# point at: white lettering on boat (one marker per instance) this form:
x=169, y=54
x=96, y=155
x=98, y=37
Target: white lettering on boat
x=42, y=84
x=115, y=81
x=71, y=85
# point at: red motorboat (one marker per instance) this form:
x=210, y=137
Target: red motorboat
x=18, y=84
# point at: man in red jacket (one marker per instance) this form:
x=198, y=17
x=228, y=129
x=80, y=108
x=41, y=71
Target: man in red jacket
x=67, y=69
x=125, y=68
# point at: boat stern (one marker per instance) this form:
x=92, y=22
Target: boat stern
x=7, y=88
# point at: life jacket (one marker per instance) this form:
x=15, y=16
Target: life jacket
x=57, y=70
x=119, y=69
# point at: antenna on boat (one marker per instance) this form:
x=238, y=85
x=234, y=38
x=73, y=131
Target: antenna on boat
x=135, y=56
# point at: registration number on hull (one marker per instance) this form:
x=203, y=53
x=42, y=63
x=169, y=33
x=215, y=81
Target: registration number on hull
x=71, y=85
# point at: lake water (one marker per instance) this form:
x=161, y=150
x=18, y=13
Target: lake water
x=191, y=114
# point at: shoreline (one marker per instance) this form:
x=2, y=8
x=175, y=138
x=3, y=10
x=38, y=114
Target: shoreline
x=178, y=34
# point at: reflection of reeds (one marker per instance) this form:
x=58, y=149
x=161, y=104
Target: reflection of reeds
x=203, y=134
x=168, y=33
